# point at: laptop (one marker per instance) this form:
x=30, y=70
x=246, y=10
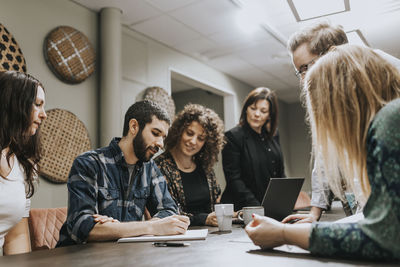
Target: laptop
x=280, y=197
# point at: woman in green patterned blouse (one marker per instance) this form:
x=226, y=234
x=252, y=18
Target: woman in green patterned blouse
x=352, y=97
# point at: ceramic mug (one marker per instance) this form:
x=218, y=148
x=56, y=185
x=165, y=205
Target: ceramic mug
x=224, y=213
x=245, y=213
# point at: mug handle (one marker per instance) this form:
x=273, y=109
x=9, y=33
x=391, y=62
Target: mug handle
x=239, y=213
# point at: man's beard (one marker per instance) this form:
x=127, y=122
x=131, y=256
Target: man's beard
x=140, y=148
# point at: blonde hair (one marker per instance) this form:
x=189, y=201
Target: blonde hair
x=343, y=92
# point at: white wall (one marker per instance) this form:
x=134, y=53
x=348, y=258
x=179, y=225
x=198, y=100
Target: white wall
x=148, y=63
x=29, y=22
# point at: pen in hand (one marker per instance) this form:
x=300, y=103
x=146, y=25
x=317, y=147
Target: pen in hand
x=180, y=211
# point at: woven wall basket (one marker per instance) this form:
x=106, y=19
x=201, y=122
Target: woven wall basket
x=63, y=137
x=11, y=57
x=161, y=97
x=69, y=54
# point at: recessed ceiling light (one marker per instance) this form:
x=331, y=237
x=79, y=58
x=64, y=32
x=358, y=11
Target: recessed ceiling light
x=357, y=38
x=311, y=9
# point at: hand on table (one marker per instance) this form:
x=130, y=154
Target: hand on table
x=172, y=225
x=301, y=218
x=98, y=218
x=265, y=232
x=212, y=219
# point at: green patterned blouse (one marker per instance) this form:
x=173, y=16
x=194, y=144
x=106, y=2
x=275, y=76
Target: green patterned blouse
x=378, y=235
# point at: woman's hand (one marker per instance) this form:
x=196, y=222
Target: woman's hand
x=300, y=218
x=212, y=219
x=266, y=232
x=98, y=218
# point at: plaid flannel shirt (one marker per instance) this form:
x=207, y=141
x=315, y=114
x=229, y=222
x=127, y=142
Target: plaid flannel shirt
x=99, y=184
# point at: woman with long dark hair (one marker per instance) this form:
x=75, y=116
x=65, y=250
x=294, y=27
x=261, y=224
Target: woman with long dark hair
x=252, y=154
x=22, y=111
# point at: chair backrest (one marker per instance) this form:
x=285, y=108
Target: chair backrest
x=44, y=227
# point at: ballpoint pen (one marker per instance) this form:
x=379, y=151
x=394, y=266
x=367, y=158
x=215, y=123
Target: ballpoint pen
x=180, y=212
x=170, y=244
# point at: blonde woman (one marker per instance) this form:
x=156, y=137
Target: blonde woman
x=352, y=98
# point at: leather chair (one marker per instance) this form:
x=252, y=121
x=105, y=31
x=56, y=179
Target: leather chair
x=44, y=227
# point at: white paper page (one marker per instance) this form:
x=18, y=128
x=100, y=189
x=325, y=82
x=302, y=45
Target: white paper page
x=189, y=235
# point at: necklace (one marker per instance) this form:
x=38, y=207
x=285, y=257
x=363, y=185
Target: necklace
x=190, y=166
x=179, y=162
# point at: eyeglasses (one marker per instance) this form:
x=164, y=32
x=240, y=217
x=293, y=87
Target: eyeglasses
x=304, y=68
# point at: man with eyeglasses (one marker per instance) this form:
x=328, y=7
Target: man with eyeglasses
x=306, y=47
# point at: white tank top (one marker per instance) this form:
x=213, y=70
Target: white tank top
x=13, y=203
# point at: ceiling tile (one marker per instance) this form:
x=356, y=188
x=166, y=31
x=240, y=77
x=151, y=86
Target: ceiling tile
x=165, y=30
x=132, y=11
x=196, y=47
x=264, y=54
x=169, y=5
x=208, y=16
x=236, y=36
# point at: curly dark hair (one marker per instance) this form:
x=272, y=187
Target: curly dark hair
x=213, y=126
x=17, y=95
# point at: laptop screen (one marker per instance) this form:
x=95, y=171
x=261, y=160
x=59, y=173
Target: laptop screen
x=280, y=197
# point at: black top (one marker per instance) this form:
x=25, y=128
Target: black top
x=249, y=161
x=197, y=195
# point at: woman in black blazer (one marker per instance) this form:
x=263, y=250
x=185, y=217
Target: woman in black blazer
x=252, y=154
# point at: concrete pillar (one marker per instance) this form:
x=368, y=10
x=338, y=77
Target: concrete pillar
x=110, y=75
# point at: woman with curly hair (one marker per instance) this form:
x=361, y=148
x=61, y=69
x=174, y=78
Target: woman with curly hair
x=252, y=154
x=21, y=113
x=192, y=146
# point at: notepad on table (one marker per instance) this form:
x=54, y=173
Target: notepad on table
x=189, y=235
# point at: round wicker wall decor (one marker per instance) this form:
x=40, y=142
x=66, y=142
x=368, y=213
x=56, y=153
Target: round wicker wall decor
x=63, y=138
x=11, y=57
x=161, y=97
x=69, y=54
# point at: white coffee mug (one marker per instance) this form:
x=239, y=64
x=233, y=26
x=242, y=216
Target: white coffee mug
x=224, y=213
x=246, y=213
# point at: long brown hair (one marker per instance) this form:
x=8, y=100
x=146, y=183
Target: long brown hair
x=213, y=126
x=17, y=96
x=262, y=93
x=344, y=91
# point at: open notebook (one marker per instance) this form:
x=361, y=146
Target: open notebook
x=189, y=235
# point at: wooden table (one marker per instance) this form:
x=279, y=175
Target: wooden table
x=219, y=249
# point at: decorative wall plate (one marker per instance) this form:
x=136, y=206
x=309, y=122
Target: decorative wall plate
x=63, y=137
x=69, y=54
x=11, y=57
x=161, y=97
